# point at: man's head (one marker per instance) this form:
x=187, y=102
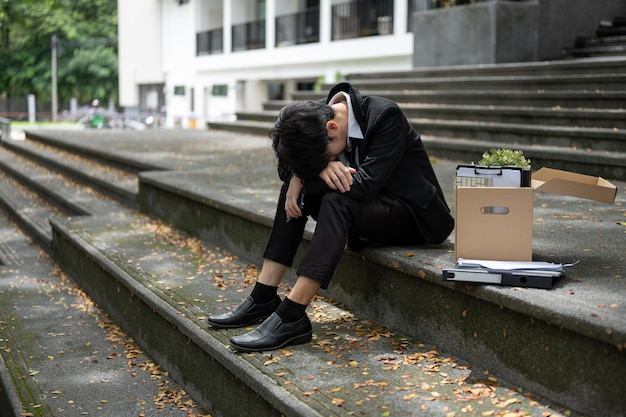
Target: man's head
x=299, y=137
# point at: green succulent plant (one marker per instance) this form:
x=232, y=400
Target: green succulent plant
x=505, y=157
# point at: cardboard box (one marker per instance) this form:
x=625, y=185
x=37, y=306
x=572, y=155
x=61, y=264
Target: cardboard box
x=496, y=223
x=575, y=185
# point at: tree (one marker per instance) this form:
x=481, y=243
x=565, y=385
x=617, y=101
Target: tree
x=86, y=49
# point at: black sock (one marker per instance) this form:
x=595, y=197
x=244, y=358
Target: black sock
x=290, y=311
x=262, y=293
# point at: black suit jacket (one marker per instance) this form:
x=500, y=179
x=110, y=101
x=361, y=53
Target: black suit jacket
x=394, y=162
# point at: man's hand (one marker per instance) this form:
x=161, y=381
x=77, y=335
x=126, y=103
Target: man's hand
x=338, y=176
x=293, y=193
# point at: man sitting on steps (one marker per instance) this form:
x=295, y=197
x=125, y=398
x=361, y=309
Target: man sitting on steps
x=356, y=165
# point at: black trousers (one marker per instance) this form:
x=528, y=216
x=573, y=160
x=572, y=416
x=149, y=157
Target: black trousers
x=383, y=220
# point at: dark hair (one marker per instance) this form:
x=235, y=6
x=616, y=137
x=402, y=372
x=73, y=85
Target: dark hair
x=299, y=138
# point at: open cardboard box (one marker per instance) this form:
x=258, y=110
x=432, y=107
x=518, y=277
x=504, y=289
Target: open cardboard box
x=497, y=223
x=572, y=184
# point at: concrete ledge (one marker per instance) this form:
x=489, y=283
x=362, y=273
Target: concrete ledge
x=542, y=82
x=603, y=118
x=117, y=159
x=212, y=374
x=563, y=137
x=143, y=282
x=610, y=165
x=601, y=163
x=525, y=335
x=589, y=66
x=113, y=259
x=9, y=399
x=78, y=169
x=31, y=213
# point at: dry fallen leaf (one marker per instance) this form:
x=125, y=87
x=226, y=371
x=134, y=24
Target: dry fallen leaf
x=338, y=401
x=508, y=402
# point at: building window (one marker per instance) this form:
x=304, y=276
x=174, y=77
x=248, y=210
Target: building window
x=219, y=90
x=210, y=42
x=362, y=18
x=179, y=90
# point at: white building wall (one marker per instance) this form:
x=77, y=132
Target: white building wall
x=245, y=73
x=179, y=49
x=139, y=47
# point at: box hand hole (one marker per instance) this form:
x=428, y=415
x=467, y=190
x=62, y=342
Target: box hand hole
x=494, y=210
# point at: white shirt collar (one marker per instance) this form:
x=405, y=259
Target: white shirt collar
x=354, y=130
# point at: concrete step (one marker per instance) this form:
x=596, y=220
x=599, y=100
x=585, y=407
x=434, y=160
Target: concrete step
x=603, y=50
x=603, y=118
x=561, y=148
x=120, y=183
x=602, y=65
x=611, y=99
x=465, y=127
x=53, y=186
x=96, y=150
x=250, y=127
x=611, y=31
x=275, y=105
x=586, y=139
x=551, y=82
x=28, y=210
x=60, y=354
x=555, y=116
x=605, y=41
x=598, y=163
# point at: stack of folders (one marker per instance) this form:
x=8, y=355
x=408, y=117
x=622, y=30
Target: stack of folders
x=516, y=274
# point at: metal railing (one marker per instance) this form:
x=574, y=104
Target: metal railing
x=440, y=4
x=362, y=18
x=298, y=28
x=249, y=35
x=210, y=42
x=5, y=129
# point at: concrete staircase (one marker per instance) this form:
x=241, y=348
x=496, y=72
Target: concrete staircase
x=392, y=339
x=610, y=40
x=563, y=114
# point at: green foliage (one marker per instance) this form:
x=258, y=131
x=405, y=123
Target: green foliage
x=86, y=51
x=505, y=157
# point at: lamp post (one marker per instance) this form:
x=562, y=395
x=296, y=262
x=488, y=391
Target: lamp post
x=53, y=45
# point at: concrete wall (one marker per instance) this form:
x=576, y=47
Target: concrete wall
x=562, y=21
x=483, y=33
x=499, y=31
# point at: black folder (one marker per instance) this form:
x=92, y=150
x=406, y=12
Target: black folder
x=536, y=279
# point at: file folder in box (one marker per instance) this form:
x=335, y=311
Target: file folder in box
x=488, y=176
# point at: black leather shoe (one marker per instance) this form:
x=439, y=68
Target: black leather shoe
x=245, y=314
x=274, y=334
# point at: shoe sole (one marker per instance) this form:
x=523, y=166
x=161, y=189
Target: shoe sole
x=298, y=340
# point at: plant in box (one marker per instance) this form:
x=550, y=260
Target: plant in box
x=505, y=157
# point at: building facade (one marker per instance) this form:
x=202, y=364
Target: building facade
x=201, y=60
